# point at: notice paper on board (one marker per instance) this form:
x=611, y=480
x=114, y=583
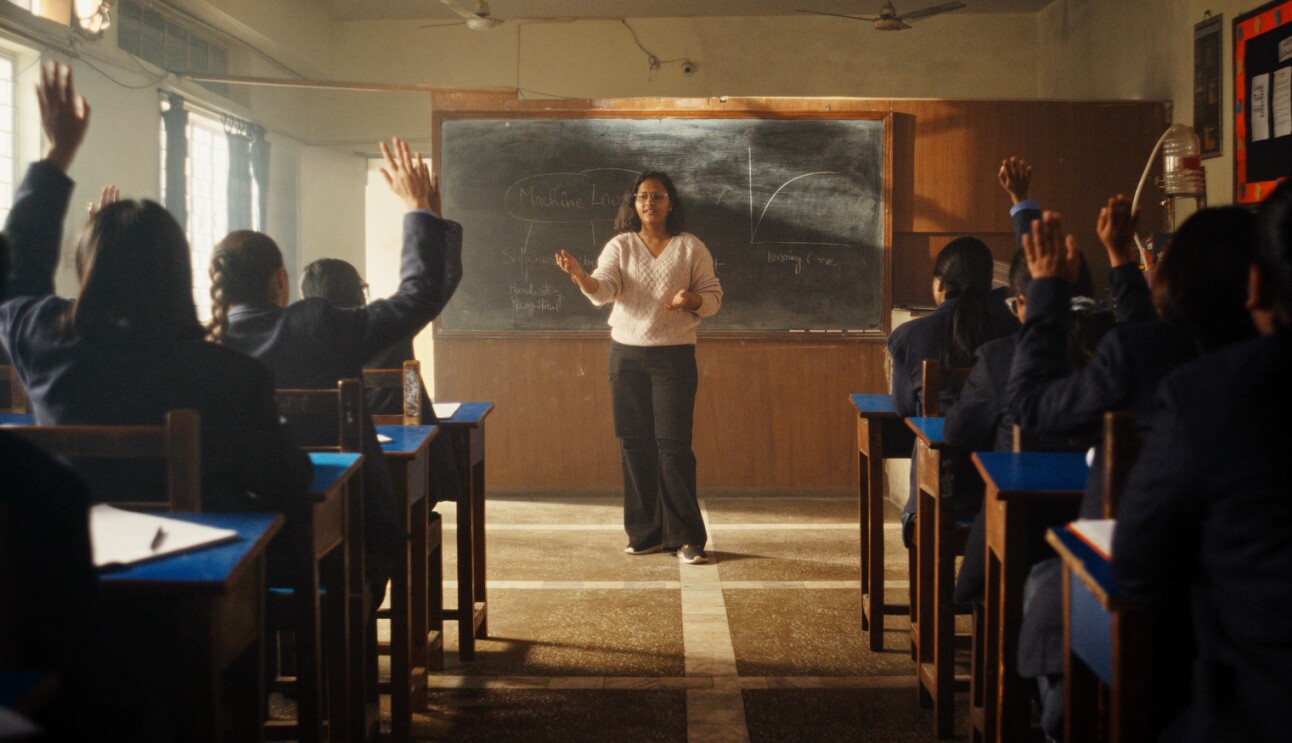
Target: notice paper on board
x=1260, y=103
x=1281, y=102
x=120, y=537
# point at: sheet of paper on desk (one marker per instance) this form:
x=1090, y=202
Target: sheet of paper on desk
x=445, y=410
x=1098, y=533
x=384, y=439
x=120, y=537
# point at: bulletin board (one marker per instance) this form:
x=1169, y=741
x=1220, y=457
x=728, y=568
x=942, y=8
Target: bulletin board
x=1262, y=100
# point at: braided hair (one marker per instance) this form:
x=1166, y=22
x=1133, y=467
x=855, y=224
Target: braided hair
x=242, y=267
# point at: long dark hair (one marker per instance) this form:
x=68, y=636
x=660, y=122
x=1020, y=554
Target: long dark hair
x=335, y=280
x=241, y=269
x=965, y=269
x=1274, y=249
x=628, y=221
x=136, y=275
x=1201, y=282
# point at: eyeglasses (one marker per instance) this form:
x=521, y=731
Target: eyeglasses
x=1012, y=303
x=656, y=196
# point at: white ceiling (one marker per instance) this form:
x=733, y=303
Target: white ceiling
x=434, y=10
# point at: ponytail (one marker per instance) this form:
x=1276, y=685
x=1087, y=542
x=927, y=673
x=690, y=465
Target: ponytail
x=242, y=266
x=970, y=325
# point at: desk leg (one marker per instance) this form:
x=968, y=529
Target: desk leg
x=944, y=617
x=307, y=626
x=1013, y=701
x=871, y=493
x=466, y=548
x=926, y=565
x=1080, y=685
x=480, y=605
x=334, y=575
x=976, y=677
x=402, y=612
x=991, y=669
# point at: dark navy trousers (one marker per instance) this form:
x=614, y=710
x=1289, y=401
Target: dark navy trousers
x=653, y=394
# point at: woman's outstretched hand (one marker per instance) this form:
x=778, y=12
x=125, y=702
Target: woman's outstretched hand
x=1049, y=254
x=111, y=195
x=570, y=265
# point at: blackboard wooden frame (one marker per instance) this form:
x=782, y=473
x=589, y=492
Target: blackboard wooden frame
x=686, y=109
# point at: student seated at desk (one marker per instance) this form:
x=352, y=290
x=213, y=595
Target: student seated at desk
x=339, y=283
x=130, y=347
x=1206, y=511
x=969, y=314
x=1199, y=290
x=311, y=345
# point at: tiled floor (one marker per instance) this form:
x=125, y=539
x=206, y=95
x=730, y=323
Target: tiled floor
x=589, y=644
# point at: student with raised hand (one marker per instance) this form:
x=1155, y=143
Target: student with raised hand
x=966, y=317
x=129, y=348
x=312, y=345
x=1199, y=291
x=1206, y=511
x=339, y=283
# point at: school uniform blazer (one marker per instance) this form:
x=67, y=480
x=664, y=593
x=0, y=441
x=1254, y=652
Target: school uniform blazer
x=311, y=345
x=120, y=379
x=1208, y=511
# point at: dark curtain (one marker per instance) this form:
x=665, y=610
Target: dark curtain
x=239, y=173
x=175, y=122
x=260, y=172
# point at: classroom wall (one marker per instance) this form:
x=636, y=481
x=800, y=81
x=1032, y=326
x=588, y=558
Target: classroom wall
x=1140, y=50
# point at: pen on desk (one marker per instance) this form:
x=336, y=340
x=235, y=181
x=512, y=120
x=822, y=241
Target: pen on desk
x=158, y=539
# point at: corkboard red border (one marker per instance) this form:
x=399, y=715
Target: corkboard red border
x=1247, y=27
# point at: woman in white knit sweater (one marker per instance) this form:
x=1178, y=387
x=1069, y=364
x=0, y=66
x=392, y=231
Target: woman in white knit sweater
x=662, y=282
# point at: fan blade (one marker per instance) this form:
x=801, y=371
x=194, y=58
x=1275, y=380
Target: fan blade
x=444, y=25
x=839, y=15
x=915, y=15
x=457, y=9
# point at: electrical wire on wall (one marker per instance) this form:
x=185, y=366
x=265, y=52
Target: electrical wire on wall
x=653, y=61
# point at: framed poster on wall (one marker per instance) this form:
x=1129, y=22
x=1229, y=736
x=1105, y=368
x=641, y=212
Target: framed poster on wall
x=1207, y=84
x=1262, y=100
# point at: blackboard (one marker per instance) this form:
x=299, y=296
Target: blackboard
x=792, y=210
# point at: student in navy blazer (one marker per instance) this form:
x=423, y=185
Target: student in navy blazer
x=1207, y=513
x=311, y=344
x=1199, y=289
x=339, y=283
x=130, y=347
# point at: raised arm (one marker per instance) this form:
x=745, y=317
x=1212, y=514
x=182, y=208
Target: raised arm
x=1015, y=176
x=430, y=264
x=35, y=223
x=1132, y=301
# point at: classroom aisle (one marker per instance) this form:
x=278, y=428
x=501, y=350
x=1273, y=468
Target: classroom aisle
x=590, y=644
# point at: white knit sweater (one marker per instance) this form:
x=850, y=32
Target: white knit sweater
x=640, y=285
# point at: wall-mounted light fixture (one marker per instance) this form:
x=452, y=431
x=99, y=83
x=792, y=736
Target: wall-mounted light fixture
x=91, y=17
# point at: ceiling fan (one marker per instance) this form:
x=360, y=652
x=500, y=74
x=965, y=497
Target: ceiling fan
x=888, y=19
x=481, y=19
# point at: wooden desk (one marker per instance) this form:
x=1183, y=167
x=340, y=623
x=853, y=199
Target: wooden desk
x=17, y=419
x=1026, y=493
x=936, y=547
x=321, y=544
x=881, y=435
x=411, y=640
x=466, y=429
x=193, y=622
x=1106, y=641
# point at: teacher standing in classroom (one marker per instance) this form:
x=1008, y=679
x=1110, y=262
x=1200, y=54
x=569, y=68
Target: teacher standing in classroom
x=662, y=282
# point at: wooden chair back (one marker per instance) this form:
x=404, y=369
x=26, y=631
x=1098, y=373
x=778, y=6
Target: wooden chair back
x=178, y=442
x=408, y=381
x=324, y=419
x=17, y=393
x=937, y=378
x=1121, y=449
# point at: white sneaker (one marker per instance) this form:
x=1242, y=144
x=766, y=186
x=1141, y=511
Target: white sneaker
x=631, y=550
x=691, y=555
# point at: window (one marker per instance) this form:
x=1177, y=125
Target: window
x=8, y=134
x=147, y=34
x=207, y=199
